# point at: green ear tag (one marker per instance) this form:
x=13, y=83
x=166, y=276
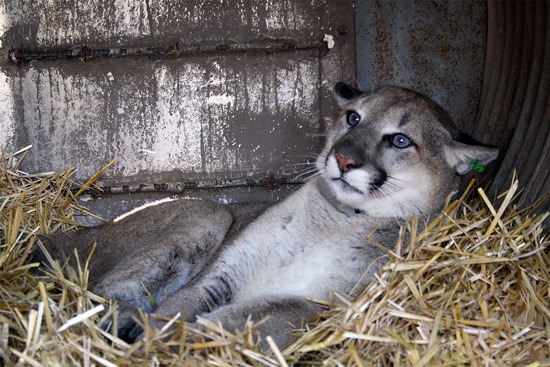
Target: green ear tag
x=477, y=166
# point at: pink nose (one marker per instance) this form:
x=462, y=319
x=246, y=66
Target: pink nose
x=344, y=162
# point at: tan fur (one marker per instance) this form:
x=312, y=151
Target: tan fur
x=306, y=246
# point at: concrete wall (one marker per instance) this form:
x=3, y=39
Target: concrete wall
x=200, y=113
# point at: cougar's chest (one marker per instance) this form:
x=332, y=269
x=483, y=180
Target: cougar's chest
x=303, y=248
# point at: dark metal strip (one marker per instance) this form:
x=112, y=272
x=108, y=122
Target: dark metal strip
x=179, y=187
x=22, y=55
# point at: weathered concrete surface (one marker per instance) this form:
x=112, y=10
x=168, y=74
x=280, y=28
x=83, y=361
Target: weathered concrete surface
x=435, y=47
x=7, y=121
x=194, y=116
x=213, y=119
x=48, y=23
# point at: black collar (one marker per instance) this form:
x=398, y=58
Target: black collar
x=329, y=196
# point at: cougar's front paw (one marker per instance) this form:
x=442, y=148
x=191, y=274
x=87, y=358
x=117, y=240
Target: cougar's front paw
x=129, y=330
x=127, y=327
x=156, y=325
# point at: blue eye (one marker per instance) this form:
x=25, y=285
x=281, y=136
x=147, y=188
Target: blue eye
x=401, y=141
x=353, y=118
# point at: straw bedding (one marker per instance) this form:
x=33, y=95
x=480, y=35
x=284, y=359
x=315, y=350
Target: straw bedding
x=472, y=288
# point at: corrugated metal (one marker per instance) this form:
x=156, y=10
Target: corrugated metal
x=515, y=104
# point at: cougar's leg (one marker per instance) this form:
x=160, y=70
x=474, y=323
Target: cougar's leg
x=282, y=315
x=154, y=251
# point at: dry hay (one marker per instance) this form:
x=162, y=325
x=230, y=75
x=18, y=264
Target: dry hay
x=470, y=289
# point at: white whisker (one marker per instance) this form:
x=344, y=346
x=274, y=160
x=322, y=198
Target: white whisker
x=392, y=195
x=393, y=185
x=388, y=194
x=395, y=178
x=309, y=178
x=301, y=164
x=384, y=198
x=393, y=213
x=312, y=156
x=306, y=173
x=316, y=135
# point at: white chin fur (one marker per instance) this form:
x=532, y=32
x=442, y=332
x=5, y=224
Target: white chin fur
x=396, y=198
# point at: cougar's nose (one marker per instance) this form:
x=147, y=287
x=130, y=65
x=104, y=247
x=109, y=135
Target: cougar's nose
x=344, y=163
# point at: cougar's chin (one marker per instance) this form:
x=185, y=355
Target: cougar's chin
x=343, y=186
x=346, y=193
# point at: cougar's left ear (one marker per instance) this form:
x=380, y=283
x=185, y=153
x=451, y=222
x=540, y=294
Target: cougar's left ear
x=464, y=154
x=345, y=93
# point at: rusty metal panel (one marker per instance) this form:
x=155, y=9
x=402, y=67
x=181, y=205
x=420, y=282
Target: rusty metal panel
x=436, y=47
x=221, y=105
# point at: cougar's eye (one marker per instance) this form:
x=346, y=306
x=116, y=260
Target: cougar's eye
x=401, y=141
x=353, y=118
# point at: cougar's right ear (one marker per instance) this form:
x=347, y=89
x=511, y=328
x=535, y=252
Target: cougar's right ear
x=345, y=93
x=464, y=154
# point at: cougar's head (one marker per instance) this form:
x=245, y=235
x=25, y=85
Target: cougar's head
x=394, y=153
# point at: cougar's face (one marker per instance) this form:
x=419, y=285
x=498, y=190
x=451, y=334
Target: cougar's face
x=384, y=155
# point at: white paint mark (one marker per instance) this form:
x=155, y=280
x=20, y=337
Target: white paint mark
x=221, y=99
x=274, y=20
x=147, y=151
x=120, y=111
x=4, y=24
x=219, y=81
x=7, y=125
x=329, y=40
x=86, y=198
x=110, y=76
x=146, y=205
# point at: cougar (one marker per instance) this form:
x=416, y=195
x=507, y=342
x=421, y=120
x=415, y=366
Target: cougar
x=391, y=154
